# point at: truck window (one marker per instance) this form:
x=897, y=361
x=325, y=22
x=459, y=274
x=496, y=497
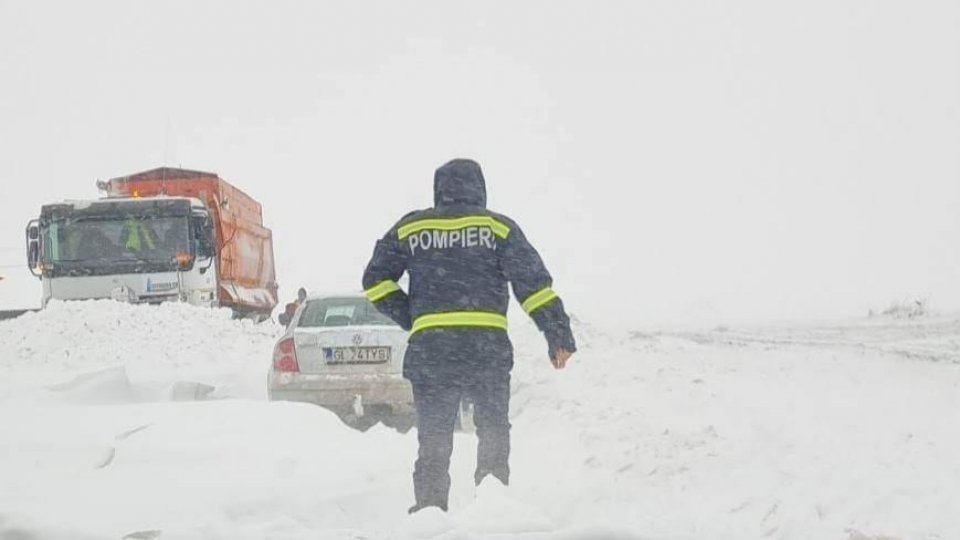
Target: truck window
x=51, y=246
x=104, y=240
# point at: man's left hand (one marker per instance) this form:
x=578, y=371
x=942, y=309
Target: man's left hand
x=560, y=358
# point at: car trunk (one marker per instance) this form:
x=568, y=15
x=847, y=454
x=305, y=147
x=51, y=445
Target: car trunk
x=354, y=350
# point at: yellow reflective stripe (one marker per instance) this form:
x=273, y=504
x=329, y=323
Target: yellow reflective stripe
x=133, y=239
x=453, y=224
x=539, y=299
x=382, y=290
x=146, y=236
x=470, y=319
x=135, y=231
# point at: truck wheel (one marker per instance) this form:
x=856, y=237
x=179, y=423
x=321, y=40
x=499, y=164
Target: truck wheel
x=254, y=316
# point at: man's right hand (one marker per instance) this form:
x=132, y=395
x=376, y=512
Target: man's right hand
x=560, y=358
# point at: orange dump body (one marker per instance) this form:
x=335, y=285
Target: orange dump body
x=247, y=277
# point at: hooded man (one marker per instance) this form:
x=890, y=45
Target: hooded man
x=286, y=318
x=460, y=258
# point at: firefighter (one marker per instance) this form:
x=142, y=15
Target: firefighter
x=138, y=236
x=460, y=258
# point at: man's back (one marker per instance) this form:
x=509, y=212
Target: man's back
x=453, y=259
x=460, y=258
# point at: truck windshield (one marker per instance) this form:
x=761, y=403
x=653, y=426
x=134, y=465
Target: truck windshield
x=105, y=241
x=341, y=312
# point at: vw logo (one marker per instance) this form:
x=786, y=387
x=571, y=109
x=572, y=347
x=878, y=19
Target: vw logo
x=357, y=339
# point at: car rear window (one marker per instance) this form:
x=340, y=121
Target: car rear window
x=341, y=312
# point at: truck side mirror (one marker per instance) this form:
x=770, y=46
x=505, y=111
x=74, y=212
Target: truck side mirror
x=33, y=247
x=33, y=255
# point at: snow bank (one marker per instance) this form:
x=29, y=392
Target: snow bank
x=110, y=352
x=838, y=432
x=746, y=442
x=933, y=339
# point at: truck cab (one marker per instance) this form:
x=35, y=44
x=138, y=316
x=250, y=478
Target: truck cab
x=139, y=250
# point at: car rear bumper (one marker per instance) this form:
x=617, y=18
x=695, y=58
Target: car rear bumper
x=340, y=391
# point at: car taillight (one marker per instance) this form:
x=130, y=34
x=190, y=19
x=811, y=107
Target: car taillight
x=285, y=356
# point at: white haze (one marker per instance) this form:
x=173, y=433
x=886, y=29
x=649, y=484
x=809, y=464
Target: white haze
x=671, y=160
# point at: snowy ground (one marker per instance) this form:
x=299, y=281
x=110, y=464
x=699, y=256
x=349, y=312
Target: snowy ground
x=109, y=428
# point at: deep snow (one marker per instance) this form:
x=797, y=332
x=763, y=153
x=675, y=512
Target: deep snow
x=834, y=431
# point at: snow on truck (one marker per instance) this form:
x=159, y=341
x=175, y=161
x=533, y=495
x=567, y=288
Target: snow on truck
x=160, y=235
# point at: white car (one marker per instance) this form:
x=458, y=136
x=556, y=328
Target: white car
x=341, y=353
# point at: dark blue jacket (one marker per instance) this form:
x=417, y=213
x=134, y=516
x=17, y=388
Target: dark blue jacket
x=460, y=258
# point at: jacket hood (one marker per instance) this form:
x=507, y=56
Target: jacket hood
x=459, y=182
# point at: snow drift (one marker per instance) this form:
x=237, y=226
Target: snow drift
x=111, y=352
x=840, y=431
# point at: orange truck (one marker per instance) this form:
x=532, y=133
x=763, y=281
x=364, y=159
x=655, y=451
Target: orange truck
x=161, y=235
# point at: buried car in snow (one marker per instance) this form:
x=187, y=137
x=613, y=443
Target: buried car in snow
x=339, y=352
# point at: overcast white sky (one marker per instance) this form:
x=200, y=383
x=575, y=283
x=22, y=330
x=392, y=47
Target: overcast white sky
x=671, y=160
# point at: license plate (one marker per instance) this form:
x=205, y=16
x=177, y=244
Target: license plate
x=356, y=355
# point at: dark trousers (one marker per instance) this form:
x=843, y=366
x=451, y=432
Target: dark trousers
x=438, y=400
